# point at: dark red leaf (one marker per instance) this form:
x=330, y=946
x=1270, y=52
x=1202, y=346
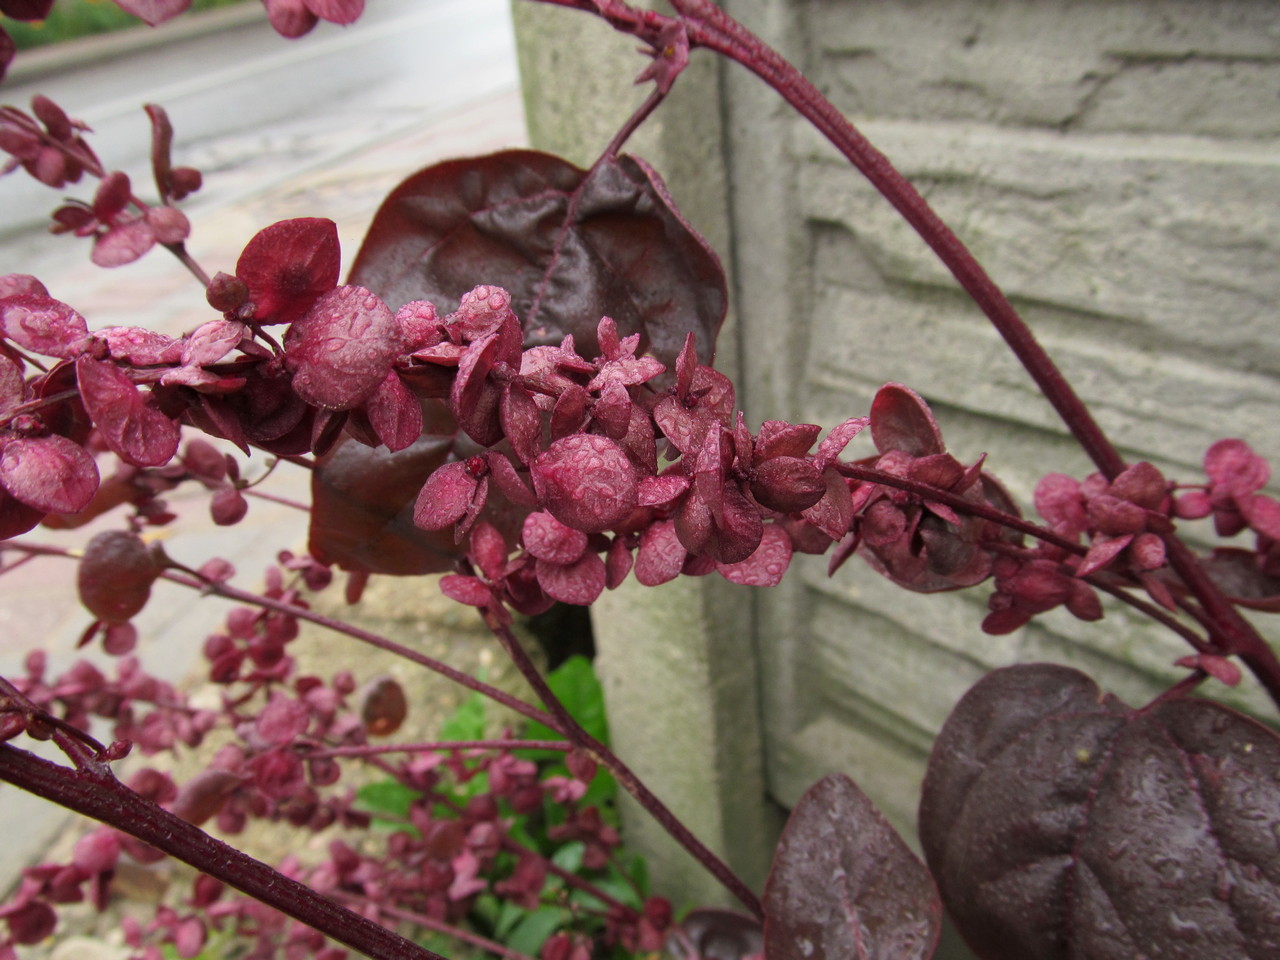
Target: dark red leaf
x=16, y=517
x=115, y=576
x=901, y=420
x=43, y=325
x=1239, y=575
x=8, y=49
x=625, y=252
x=342, y=349
x=288, y=266
x=27, y=9
x=845, y=886
x=203, y=795
x=788, y=484
x=51, y=474
x=1061, y=823
x=362, y=509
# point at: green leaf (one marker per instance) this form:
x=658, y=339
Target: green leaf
x=575, y=683
x=569, y=857
x=467, y=722
x=532, y=932
x=508, y=917
x=386, y=797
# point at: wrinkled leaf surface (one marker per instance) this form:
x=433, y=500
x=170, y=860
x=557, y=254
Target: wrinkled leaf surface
x=1060, y=823
x=571, y=247
x=844, y=885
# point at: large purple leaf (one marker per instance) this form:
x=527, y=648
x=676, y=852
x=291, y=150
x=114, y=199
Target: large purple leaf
x=1239, y=575
x=844, y=885
x=362, y=501
x=1061, y=823
x=570, y=247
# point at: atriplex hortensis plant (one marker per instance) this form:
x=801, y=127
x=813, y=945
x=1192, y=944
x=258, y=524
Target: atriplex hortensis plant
x=526, y=403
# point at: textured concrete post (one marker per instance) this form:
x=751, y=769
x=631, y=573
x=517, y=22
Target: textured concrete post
x=1114, y=164
x=678, y=662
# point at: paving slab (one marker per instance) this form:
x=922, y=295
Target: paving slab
x=336, y=157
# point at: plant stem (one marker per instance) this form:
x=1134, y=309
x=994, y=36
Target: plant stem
x=99, y=795
x=302, y=613
x=571, y=729
x=708, y=26
x=439, y=926
x=369, y=750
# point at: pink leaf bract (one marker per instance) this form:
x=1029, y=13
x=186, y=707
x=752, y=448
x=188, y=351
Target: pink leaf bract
x=288, y=265
x=579, y=583
x=43, y=325
x=154, y=11
x=11, y=384
x=123, y=243
x=395, y=414
x=548, y=539
x=586, y=482
x=661, y=555
x=337, y=11
x=51, y=474
x=767, y=566
x=342, y=349
x=445, y=496
x=131, y=425
x=845, y=886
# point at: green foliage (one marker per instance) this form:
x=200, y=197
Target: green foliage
x=71, y=19
x=625, y=879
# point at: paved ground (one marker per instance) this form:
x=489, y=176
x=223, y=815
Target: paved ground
x=325, y=127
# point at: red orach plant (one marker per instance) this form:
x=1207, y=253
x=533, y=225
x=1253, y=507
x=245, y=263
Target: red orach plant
x=526, y=403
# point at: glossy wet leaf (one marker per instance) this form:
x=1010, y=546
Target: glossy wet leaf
x=845, y=886
x=51, y=474
x=505, y=219
x=1061, y=823
x=288, y=265
x=130, y=422
x=341, y=350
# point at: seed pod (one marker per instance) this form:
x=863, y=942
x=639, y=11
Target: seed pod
x=115, y=576
x=383, y=707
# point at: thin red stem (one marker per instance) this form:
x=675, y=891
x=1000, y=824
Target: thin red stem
x=571, y=729
x=370, y=750
x=96, y=793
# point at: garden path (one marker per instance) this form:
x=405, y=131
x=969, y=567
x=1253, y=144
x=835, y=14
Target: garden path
x=421, y=81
